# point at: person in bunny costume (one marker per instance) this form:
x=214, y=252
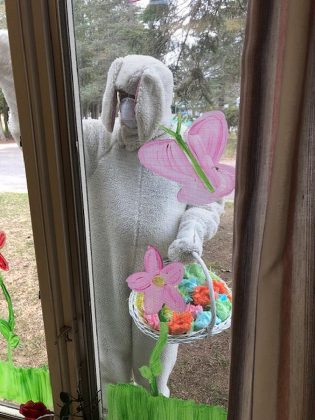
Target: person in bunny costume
x=131, y=208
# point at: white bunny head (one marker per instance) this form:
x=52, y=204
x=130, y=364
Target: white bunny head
x=150, y=82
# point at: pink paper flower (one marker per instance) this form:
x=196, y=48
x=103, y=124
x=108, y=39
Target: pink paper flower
x=153, y=321
x=158, y=283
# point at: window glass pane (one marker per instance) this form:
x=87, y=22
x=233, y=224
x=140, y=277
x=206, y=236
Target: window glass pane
x=155, y=195
x=24, y=374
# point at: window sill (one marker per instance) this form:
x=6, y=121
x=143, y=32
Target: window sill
x=7, y=412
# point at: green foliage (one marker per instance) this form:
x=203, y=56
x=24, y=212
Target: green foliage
x=207, y=72
x=104, y=31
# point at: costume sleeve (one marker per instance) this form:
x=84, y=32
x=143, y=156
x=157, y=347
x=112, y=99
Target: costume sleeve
x=97, y=141
x=196, y=225
x=94, y=135
x=7, y=85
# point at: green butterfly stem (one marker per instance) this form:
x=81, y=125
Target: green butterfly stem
x=188, y=153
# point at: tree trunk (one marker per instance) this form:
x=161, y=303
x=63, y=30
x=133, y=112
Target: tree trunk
x=1, y=128
x=6, y=131
x=221, y=98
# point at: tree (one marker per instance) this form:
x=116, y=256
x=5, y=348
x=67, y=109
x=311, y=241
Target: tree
x=104, y=31
x=201, y=41
x=207, y=71
x=4, y=116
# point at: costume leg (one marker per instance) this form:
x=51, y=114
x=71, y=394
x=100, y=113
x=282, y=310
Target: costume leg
x=142, y=346
x=114, y=342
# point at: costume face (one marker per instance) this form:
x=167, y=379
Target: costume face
x=144, y=87
x=127, y=112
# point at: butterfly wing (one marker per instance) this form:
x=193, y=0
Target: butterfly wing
x=207, y=138
x=195, y=193
x=165, y=158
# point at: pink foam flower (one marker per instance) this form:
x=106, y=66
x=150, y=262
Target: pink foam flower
x=158, y=283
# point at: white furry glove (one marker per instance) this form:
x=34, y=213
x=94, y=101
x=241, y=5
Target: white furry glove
x=197, y=224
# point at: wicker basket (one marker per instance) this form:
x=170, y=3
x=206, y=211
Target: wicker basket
x=212, y=328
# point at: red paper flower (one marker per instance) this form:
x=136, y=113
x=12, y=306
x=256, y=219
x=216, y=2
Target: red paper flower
x=33, y=410
x=201, y=295
x=180, y=323
x=219, y=287
x=3, y=262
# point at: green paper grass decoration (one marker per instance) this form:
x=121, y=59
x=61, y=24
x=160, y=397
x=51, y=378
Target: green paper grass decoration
x=20, y=384
x=131, y=402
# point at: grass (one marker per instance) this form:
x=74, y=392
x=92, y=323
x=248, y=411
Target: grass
x=21, y=282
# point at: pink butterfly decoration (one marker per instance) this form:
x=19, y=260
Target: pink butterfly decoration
x=206, y=139
x=158, y=283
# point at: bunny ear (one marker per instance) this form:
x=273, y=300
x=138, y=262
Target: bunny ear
x=149, y=104
x=109, y=105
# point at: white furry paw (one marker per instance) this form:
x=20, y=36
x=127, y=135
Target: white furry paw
x=182, y=249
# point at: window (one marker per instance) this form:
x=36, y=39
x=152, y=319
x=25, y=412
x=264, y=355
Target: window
x=95, y=208
x=140, y=65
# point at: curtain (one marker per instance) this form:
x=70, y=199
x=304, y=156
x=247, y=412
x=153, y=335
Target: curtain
x=273, y=338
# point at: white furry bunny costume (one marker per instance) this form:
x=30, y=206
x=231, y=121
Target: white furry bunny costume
x=130, y=208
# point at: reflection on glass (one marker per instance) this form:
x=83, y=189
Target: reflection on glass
x=24, y=374
x=141, y=64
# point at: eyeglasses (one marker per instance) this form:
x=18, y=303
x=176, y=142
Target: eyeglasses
x=122, y=95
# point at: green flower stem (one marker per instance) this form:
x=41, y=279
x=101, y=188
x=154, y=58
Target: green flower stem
x=9, y=302
x=151, y=372
x=154, y=387
x=188, y=153
x=7, y=327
